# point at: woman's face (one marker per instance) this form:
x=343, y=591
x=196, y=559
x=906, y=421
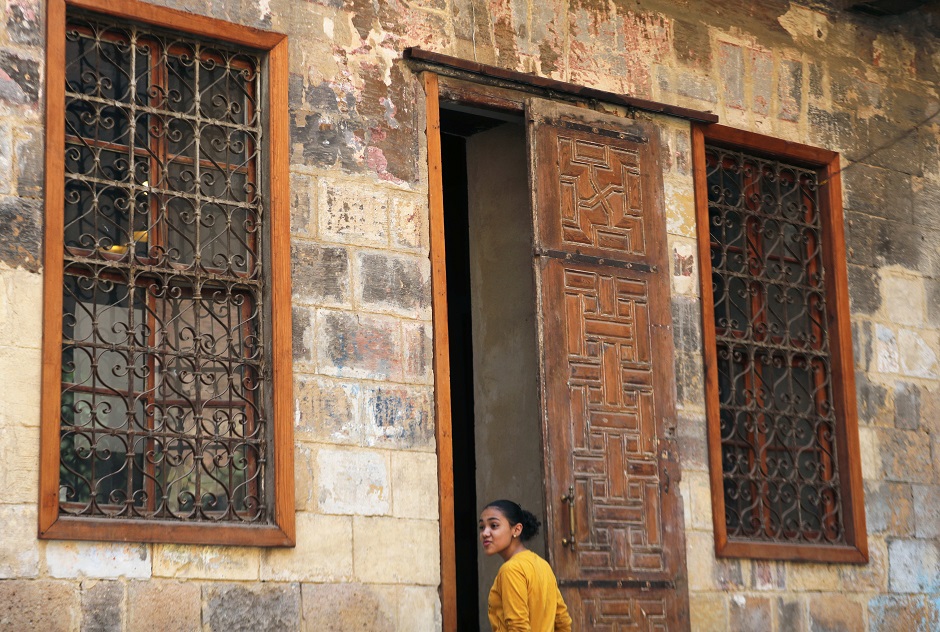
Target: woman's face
x=495, y=533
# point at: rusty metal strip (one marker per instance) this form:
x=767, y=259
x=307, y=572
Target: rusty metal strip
x=576, y=257
x=641, y=584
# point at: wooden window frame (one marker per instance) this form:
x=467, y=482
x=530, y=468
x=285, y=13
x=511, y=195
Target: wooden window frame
x=826, y=164
x=280, y=530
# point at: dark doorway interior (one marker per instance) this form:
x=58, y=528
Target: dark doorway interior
x=492, y=335
x=454, y=174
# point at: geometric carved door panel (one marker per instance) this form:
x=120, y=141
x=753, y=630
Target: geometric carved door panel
x=614, y=518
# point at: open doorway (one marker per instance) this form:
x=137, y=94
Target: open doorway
x=497, y=445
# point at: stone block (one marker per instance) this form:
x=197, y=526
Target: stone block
x=6, y=158
x=303, y=209
x=813, y=577
x=933, y=298
x=870, y=454
x=691, y=41
x=708, y=611
x=97, y=559
x=19, y=453
x=259, y=608
x=864, y=290
x=876, y=191
x=19, y=548
x=352, y=212
x=683, y=265
x=917, y=351
x=414, y=485
x=24, y=22
x=693, y=444
x=103, y=606
x=731, y=70
x=303, y=335
x=906, y=406
x=874, y=406
x=399, y=418
x=905, y=455
x=398, y=284
x=930, y=411
x=419, y=609
x=791, y=615
x=835, y=613
x=877, y=242
x=205, y=562
x=327, y=410
x=164, y=606
x=304, y=477
x=700, y=561
x=700, y=499
x=21, y=320
x=903, y=298
x=687, y=332
x=913, y=566
x=320, y=274
x=49, y=606
x=747, y=614
x=863, y=345
x=680, y=207
x=927, y=512
x=353, y=482
x=419, y=352
x=790, y=89
x=926, y=202
x=22, y=370
x=890, y=613
x=324, y=552
x=28, y=158
x=342, y=607
x=904, y=150
x=20, y=224
x=730, y=574
x=886, y=350
x=20, y=79
x=396, y=551
x=696, y=87
x=762, y=73
x=768, y=575
x=354, y=345
x=889, y=508
x=410, y=222
x=871, y=577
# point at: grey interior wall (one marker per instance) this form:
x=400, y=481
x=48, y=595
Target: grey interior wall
x=505, y=358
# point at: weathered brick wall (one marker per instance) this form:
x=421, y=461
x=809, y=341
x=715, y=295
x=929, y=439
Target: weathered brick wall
x=367, y=555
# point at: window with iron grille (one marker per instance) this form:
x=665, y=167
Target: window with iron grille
x=783, y=435
x=166, y=391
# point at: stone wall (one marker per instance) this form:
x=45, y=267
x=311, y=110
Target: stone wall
x=367, y=554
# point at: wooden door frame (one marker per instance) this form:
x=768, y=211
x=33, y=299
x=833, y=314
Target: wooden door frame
x=452, y=80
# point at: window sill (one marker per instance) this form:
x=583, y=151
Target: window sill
x=116, y=530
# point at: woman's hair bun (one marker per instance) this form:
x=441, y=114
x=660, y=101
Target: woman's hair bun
x=530, y=525
x=516, y=515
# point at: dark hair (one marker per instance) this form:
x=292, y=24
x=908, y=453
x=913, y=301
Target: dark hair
x=515, y=515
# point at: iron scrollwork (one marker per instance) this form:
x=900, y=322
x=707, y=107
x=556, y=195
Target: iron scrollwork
x=163, y=411
x=778, y=440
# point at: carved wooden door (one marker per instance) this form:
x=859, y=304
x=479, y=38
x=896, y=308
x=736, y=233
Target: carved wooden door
x=614, y=518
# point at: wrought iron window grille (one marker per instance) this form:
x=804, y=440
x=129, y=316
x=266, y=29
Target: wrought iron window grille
x=777, y=423
x=164, y=413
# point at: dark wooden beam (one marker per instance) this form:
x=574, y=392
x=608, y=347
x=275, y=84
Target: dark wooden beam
x=540, y=85
x=884, y=7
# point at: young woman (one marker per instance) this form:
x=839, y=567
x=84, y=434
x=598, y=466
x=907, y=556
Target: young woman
x=525, y=595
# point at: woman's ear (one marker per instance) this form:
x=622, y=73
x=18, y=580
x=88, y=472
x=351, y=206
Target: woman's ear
x=517, y=530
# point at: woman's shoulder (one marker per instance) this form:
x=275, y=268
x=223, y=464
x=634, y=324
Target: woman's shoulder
x=523, y=561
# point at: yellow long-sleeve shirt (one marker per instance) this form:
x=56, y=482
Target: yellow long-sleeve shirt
x=525, y=597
